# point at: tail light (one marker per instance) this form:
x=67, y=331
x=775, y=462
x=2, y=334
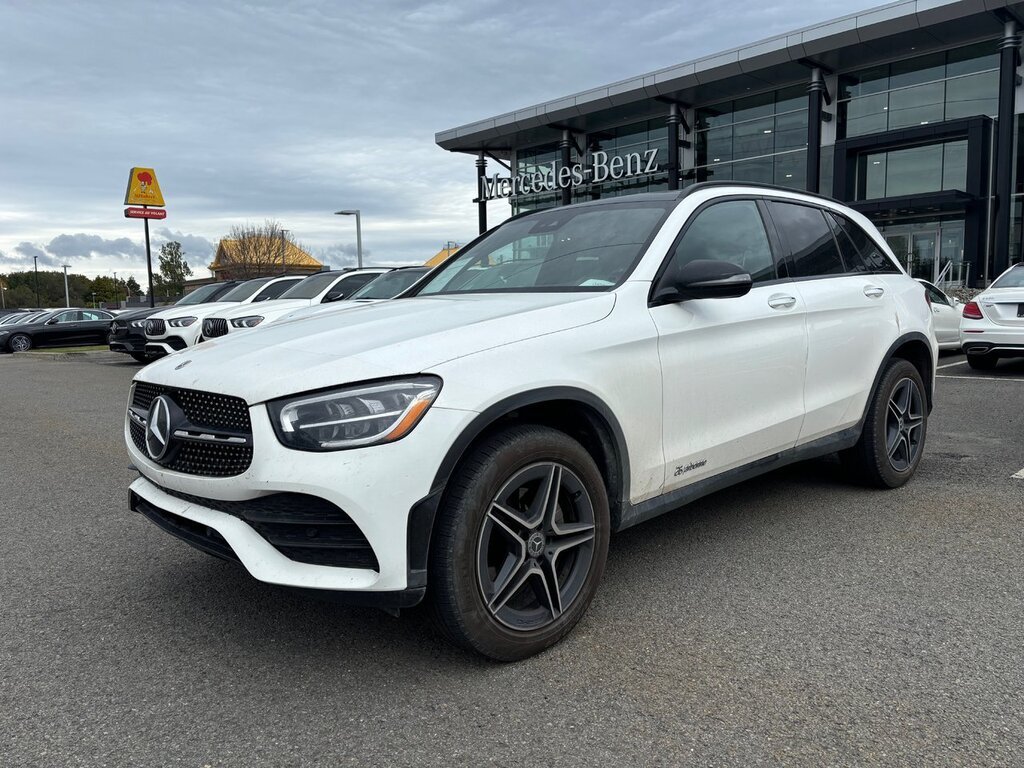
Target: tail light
x=972, y=311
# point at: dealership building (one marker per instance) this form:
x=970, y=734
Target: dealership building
x=909, y=113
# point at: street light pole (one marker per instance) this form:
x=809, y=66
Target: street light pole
x=94, y=299
x=35, y=262
x=67, y=296
x=3, y=296
x=359, y=234
x=116, y=293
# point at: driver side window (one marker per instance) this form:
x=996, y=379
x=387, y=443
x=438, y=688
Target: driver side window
x=68, y=317
x=730, y=231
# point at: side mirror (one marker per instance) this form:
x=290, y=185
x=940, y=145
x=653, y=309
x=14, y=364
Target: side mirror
x=335, y=295
x=52, y=321
x=703, y=279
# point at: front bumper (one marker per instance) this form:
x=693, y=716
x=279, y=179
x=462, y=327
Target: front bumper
x=126, y=342
x=385, y=490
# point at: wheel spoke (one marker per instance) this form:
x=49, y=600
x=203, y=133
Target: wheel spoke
x=512, y=584
x=552, y=590
x=510, y=520
x=895, y=445
x=571, y=539
x=894, y=409
x=906, y=392
x=546, y=501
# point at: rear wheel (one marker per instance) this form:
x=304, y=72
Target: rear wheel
x=892, y=441
x=20, y=343
x=982, y=362
x=520, y=544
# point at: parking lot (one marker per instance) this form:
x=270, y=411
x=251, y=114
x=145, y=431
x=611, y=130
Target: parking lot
x=794, y=619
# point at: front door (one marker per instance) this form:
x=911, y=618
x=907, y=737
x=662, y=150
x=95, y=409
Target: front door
x=923, y=252
x=732, y=369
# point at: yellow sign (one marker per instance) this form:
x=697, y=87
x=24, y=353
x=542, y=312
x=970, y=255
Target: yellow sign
x=143, y=188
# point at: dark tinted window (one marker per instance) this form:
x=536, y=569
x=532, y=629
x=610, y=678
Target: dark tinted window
x=311, y=287
x=274, y=290
x=350, y=285
x=937, y=296
x=861, y=252
x=811, y=249
x=729, y=231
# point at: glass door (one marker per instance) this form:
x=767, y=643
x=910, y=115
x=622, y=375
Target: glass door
x=900, y=245
x=923, y=263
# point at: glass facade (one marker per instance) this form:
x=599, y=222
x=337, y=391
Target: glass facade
x=963, y=82
x=912, y=170
x=759, y=138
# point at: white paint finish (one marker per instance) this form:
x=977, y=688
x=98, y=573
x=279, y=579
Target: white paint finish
x=1018, y=475
x=725, y=381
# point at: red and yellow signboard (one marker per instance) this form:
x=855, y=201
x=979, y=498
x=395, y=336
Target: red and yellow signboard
x=143, y=188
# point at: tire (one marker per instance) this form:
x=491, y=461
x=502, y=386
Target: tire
x=509, y=574
x=19, y=342
x=141, y=357
x=982, y=362
x=892, y=441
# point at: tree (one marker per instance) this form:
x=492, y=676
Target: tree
x=256, y=250
x=173, y=267
x=132, y=287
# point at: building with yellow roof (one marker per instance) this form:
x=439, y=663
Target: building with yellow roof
x=441, y=255
x=259, y=256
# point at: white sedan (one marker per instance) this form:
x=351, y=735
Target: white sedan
x=992, y=325
x=945, y=316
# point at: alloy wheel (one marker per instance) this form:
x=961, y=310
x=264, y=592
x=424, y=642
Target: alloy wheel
x=21, y=343
x=536, y=546
x=904, y=424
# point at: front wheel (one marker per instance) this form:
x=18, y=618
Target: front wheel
x=21, y=343
x=520, y=544
x=892, y=441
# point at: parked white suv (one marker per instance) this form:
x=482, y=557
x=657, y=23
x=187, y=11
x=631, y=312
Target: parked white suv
x=571, y=373
x=321, y=289
x=176, y=328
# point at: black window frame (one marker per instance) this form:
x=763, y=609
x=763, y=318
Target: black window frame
x=841, y=219
x=774, y=243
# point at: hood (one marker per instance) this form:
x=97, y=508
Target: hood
x=139, y=314
x=318, y=310
x=267, y=309
x=388, y=338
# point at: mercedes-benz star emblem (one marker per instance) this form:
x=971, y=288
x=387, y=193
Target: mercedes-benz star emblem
x=158, y=428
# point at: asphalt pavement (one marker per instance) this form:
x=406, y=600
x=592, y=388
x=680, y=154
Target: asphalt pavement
x=793, y=620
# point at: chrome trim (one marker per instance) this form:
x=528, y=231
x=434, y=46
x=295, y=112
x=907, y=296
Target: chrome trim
x=184, y=434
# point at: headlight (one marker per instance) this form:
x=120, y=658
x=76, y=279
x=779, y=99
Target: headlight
x=354, y=416
x=181, y=322
x=138, y=323
x=247, y=322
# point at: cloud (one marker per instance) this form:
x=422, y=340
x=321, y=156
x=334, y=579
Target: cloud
x=81, y=245
x=30, y=253
x=196, y=247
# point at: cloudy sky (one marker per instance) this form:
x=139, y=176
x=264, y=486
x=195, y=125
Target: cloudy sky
x=292, y=110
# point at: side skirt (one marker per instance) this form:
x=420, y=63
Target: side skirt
x=632, y=514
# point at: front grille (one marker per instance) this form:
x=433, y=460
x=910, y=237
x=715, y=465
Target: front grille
x=155, y=328
x=303, y=528
x=202, y=409
x=214, y=327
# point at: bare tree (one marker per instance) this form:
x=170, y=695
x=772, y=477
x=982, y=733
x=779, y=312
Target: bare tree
x=252, y=250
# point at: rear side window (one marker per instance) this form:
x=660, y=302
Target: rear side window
x=862, y=254
x=811, y=250
x=728, y=231
x=274, y=290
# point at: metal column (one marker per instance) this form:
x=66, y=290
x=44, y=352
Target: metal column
x=1009, y=60
x=673, y=121
x=565, y=158
x=816, y=93
x=481, y=206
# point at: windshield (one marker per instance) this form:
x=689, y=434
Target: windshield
x=200, y=295
x=389, y=285
x=311, y=287
x=584, y=248
x=245, y=290
x=1012, y=279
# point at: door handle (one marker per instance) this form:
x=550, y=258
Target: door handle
x=781, y=302
x=873, y=291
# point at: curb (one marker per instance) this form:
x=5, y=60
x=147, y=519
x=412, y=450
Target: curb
x=81, y=357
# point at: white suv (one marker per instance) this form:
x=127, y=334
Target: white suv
x=177, y=328
x=573, y=372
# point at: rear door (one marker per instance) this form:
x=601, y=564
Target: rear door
x=94, y=326
x=851, y=319
x=732, y=369
x=62, y=328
